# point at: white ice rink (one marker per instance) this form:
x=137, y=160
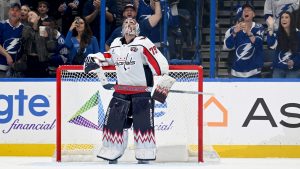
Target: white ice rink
x=225, y=163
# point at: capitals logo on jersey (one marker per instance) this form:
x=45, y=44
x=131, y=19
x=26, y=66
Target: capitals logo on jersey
x=284, y=57
x=245, y=51
x=12, y=45
x=126, y=62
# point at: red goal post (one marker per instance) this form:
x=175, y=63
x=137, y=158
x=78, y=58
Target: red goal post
x=188, y=77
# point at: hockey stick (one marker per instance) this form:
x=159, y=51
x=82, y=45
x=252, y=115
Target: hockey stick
x=109, y=86
x=149, y=89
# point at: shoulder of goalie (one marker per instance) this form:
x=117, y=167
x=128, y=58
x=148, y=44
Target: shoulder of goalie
x=94, y=61
x=162, y=88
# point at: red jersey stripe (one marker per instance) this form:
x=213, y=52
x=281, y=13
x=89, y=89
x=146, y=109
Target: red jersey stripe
x=152, y=61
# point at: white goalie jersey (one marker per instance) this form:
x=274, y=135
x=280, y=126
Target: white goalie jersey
x=137, y=62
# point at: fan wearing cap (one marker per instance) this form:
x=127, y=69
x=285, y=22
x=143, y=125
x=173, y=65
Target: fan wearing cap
x=247, y=18
x=129, y=11
x=5, y=6
x=10, y=34
x=246, y=39
x=149, y=22
x=117, y=8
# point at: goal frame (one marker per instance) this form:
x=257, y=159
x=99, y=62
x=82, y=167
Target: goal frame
x=62, y=68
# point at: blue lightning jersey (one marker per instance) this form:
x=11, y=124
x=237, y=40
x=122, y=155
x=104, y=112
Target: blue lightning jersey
x=248, y=58
x=10, y=40
x=282, y=56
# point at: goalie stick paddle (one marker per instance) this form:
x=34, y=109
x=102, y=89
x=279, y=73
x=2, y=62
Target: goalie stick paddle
x=109, y=86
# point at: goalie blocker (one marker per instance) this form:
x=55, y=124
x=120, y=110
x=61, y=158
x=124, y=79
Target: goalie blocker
x=162, y=88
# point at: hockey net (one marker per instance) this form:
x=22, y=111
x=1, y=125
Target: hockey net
x=82, y=103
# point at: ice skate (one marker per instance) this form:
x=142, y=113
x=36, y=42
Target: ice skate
x=143, y=162
x=113, y=161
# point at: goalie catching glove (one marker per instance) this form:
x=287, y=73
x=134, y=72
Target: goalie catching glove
x=94, y=61
x=162, y=88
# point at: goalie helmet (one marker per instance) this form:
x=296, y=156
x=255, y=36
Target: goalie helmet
x=130, y=27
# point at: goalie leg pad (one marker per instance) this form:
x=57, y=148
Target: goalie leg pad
x=143, y=111
x=145, y=154
x=125, y=139
x=108, y=153
x=143, y=125
x=113, y=134
x=112, y=153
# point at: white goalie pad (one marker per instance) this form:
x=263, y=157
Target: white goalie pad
x=162, y=88
x=113, y=152
x=107, y=153
x=145, y=154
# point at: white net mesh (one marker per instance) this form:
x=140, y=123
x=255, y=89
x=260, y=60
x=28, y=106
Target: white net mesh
x=84, y=101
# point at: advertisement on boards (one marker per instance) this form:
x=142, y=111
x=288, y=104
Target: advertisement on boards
x=239, y=113
x=27, y=112
x=253, y=113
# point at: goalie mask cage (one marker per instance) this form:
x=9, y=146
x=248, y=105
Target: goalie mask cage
x=82, y=103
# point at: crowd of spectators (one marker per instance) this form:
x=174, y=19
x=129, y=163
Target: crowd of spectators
x=245, y=39
x=36, y=36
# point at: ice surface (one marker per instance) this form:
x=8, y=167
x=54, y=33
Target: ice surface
x=225, y=163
